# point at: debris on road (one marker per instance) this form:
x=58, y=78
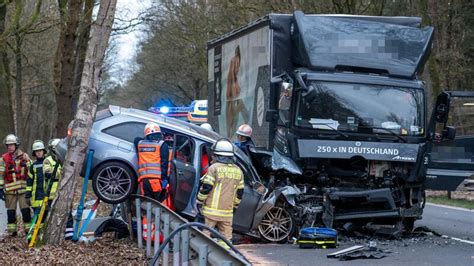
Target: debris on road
x=369, y=251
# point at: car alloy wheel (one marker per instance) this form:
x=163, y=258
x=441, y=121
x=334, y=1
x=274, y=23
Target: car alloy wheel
x=113, y=182
x=276, y=225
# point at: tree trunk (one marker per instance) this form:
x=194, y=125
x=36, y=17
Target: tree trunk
x=64, y=66
x=81, y=51
x=6, y=119
x=88, y=100
x=18, y=84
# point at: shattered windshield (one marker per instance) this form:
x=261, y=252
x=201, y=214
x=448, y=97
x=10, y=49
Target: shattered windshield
x=362, y=108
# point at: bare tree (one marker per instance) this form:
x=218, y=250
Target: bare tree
x=88, y=100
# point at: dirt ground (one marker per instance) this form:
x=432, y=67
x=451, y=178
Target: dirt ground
x=461, y=193
x=107, y=251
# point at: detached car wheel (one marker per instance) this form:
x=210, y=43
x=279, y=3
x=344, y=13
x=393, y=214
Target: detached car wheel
x=276, y=226
x=113, y=182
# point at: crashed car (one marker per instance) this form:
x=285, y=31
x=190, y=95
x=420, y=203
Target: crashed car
x=114, y=170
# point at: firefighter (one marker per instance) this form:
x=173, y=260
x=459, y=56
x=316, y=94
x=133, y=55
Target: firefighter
x=244, y=135
x=49, y=165
x=153, y=159
x=222, y=189
x=37, y=184
x=207, y=126
x=13, y=176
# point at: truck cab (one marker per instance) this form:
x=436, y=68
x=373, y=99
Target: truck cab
x=346, y=118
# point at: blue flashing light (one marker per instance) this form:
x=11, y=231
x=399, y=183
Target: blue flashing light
x=164, y=109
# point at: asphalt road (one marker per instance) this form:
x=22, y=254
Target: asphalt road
x=449, y=221
x=3, y=218
x=429, y=250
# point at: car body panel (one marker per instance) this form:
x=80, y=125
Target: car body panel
x=184, y=178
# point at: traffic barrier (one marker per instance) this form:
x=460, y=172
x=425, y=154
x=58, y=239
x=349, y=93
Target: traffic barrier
x=190, y=246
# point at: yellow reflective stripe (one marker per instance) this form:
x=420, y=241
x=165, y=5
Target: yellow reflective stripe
x=208, y=179
x=202, y=197
x=217, y=212
x=28, y=188
x=216, y=195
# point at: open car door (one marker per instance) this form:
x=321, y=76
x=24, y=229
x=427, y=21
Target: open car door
x=183, y=173
x=452, y=150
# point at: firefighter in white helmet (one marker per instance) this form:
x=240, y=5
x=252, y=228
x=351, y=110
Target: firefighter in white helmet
x=207, y=126
x=222, y=188
x=13, y=176
x=37, y=183
x=244, y=138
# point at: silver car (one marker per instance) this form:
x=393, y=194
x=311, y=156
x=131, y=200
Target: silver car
x=114, y=169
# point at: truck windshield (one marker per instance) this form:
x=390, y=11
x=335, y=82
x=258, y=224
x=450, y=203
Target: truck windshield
x=362, y=108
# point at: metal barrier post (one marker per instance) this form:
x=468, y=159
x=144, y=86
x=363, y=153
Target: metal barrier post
x=203, y=255
x=139, y=223
x=148, y=230
x=176, y=247
x=166, y=233
x=157, y=212
x=185, y=247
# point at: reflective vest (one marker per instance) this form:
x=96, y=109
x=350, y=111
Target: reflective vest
x=225, y=180
x=37, y=183
x=149, y=159
x=14, y=172
x=48, y=167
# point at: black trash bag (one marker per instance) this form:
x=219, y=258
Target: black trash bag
x=113, y=225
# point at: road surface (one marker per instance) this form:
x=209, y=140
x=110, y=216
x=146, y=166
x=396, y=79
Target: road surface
x=3, y=218
x=431, y=250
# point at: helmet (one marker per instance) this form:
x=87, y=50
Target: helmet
x=207, y=126
x=11, y=139
x=244, y=130
x=52, y=143
x=152, y=128
x=223, y=147
x=38, y=145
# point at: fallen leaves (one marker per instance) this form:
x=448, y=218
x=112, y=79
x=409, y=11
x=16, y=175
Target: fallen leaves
x=14, y=251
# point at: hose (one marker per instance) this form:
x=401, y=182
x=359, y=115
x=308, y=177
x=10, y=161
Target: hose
x=199, y=225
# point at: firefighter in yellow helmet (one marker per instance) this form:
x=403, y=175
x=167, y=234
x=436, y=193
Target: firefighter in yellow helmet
x=13, y=176
x=222, y=188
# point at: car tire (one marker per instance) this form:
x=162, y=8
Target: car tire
x=277, y=225
x=113, y=182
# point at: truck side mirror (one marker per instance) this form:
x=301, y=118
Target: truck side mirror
x=449, y=133
x=271, y=115
x=442, y=108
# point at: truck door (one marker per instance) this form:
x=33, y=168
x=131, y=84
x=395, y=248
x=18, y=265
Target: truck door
x=452, y=159
x=183, y=171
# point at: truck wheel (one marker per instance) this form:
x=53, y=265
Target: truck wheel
x=276, y=226
x=113, y=182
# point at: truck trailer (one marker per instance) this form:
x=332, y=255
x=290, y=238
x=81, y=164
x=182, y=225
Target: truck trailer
x=339, y=116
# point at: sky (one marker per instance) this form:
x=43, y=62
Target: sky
x=128, y=43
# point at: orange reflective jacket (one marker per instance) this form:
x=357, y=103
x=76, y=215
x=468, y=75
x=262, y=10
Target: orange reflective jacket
x=149, y=159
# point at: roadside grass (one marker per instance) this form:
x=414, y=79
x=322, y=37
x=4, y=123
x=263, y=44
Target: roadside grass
x=451, y=202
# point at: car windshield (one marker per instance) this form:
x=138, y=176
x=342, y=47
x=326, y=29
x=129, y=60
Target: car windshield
x=362, y=108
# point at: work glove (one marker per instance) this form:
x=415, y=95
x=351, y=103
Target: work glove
x=2, y=194
x=199, y=205
x=164, y=183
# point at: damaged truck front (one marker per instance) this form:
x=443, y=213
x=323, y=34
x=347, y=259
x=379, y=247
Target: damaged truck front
x=336, y=103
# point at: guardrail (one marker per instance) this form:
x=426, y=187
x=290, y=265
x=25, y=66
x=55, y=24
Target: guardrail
x=190, y=246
